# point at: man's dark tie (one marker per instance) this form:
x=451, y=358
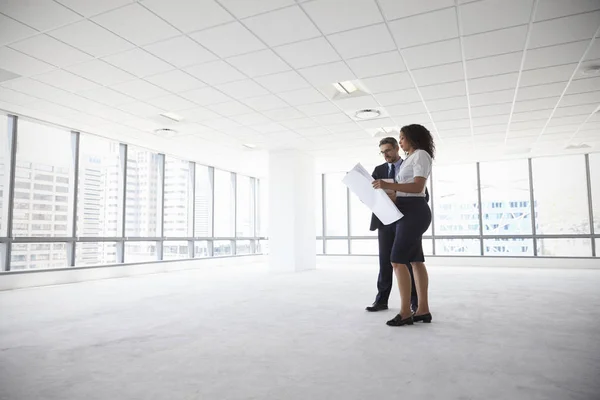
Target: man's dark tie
x=392, y=172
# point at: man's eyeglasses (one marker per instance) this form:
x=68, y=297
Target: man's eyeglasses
x=386, y=152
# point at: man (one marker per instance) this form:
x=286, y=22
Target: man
x=386, y=233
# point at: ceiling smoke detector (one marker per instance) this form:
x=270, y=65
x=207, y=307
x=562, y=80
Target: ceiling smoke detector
x=166, y=132
x=367, y=114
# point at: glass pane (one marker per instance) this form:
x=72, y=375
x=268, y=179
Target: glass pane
x=178, y=192
x=203, y=206
x=427, y=247
x=224, y=204
x=222, y=248
x=4, y=172
x=455, y=200
x=564, y=247
x=144, y=195
x=457, y=247
x=595, y=178
x=176, y=250
x=38, y=256
x=43, y=182
x=559, y=189
x=99, y=200
x=95, y=253
x=428, y=231
x=505, y=200
x=336, y=205
x=360, y=218
x=509, y=247
x=365, y=247
x=319, y=246
x=597, y=247
x=319, y=204
x=201, y=249
x=263, y=206
x=336, y=246
x=243, y=247
x=263, y=247
x=245, y=206
x=136, y=252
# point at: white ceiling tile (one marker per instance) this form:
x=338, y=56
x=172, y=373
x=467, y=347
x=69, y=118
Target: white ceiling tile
x=353, y=104
x=265, y=103
x=215, y=73
x=549, y=9
x=230, y=108
x=300, y=123
x=394, y=9
x=181, y=51
x=91, y=38
x=363, y=41
x=443, y=90
x=11, y=30
x=34, y=88
x=488, y=15
x=252, y=118
x=39, y=14
x=527, y=125
x=229, y=40
x=492, y=129
x=327, y=73
x=388, y=83
x=189, y=15
x=489, y=98
x=402, y=110
x=147, y=28
x=242, y=89
x=7, y=75
x=496, y=109
x=260, y=63
x=107, y=96
x=22, y=64
x=283, y=82
x=564, y=30
x=140, y=89
x=559, y=73
x=494, y=65
x=318, y=109
x=563, y=121
x=248, y=8
x=531, y=115
x=283, y=26
x=504, y=40
x=555, y=55
x=284, y=114
x=12, y=97
x=313, y=132
x=493, y=83
x=580, y=99
x=302, y=96
x=50, y=50
x=450, y=103
x=171, y=102
x=66, y=80
x=377, y=123
x=141, y=109
x=331, y=18
x=594, y=52
x=574, y=110
x=198, y=114
x=444, y=22
x=89, y=8
x=308, y=53
x=142, y=124
x=398, y=97
x=584, y=86
x=439, y=74
x=175, y=81
x=206, y=96
x=535, y=105
x=541, y=91
x=138, y=62
x=221, y=124
x=378, y=64
x=491, y=120
x=100, y=72
x=432, y=54
x=332, y=119
x=345, y=128
x=269, y=127
x=456, y=124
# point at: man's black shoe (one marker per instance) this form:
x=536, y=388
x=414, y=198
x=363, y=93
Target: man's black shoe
x=377, y=307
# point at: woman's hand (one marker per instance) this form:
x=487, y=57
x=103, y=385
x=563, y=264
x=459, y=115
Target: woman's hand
x=380, y=184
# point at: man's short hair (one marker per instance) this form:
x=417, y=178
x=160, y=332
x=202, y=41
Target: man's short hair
x=389, y=140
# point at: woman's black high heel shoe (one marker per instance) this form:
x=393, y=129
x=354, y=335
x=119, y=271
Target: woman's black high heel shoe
x=398, y=321
x=426, y=318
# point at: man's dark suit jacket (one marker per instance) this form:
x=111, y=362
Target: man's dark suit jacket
x=381, y=172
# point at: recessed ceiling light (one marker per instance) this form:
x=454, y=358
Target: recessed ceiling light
x=346, y=87
x=250, y=145
x=577, y=146
x=171, y=116
x=166, y=132
x=367, y=114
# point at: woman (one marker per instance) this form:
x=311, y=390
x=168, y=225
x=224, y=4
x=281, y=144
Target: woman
x=416, y=141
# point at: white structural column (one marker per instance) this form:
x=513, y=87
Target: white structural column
x=292, y=226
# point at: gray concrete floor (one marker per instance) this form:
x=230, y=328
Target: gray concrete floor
x=240, y=333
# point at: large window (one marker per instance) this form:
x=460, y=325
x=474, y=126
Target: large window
x=245, y=207
x=5, y=144
x=178, y=198
x=224, y=204
x=203, y=201
x=595, y=191
x=336, y=206
x=43, y=194
x=100, y=194
x=263, y=208
x=144, y=193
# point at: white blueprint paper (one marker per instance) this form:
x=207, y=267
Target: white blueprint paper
x=360, y=182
